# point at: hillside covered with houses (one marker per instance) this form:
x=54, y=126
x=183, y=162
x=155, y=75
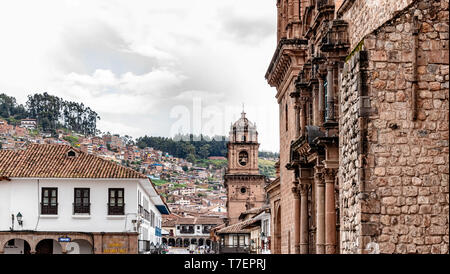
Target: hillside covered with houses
x=191, y=185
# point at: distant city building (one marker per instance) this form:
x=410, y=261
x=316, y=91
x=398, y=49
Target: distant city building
x=187, y=231
x=28, y=123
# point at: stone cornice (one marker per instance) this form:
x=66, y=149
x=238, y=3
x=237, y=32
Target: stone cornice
x=273, y=186
x=287, y=55
x=246, y=177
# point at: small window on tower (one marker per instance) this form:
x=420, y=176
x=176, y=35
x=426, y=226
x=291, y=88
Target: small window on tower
x=243, y=190
x=243, y=158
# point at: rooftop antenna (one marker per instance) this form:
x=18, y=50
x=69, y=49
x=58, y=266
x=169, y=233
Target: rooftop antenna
x=243, y=112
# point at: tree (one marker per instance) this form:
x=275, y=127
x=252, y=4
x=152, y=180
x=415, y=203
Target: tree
x=204, y=151
x=9, y=109
x=52, y=112
x=191, y=158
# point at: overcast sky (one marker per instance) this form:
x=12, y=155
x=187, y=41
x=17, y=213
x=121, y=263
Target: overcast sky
x=146, y=67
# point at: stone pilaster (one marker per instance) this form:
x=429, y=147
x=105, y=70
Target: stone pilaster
x=320, y=208
x=297, y=223
x=303, y=116
x=321, y=99
x=330, y=93
x=330, y=211
x=297, y=121
x=303, y=188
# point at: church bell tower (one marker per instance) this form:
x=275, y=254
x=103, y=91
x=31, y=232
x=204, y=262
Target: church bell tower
x=245, y=186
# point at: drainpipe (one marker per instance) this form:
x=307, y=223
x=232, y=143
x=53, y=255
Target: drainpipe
x=414, y=65
x=37, y=223
x=297, y=222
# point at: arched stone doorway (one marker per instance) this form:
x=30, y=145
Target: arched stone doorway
x=186, y=242
x=208, y=242
x=201, y=242
x=193, y=241
x=277, y=232
x=164, y=241
x=48, y=246
x=17, y=246
x=179, y=242
x=171, y=242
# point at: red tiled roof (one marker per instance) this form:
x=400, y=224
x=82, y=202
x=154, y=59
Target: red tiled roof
x=199, y=220
x=236, y=228
x=52, y=161
x=254, y=211
x=205, y=220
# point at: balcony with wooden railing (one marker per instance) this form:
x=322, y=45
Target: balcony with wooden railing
x=227, y=249
x=81, y=208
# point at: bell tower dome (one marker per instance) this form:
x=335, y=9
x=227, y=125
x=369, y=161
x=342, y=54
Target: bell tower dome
x=243, y=147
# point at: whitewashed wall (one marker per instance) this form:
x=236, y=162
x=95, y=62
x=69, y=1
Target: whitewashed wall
x=151, y=234
x=24, y=195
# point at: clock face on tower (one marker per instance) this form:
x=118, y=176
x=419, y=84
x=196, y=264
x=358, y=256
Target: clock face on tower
x=243, y=158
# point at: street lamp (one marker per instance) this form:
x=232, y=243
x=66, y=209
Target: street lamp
x=19, y=218
x=12, y=222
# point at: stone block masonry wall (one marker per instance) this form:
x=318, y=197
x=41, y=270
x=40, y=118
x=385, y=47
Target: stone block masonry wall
x=364, y=16
x=350, y=138
x=401, y=203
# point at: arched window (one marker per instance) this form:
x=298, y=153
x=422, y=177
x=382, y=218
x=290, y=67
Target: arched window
x=243, y=158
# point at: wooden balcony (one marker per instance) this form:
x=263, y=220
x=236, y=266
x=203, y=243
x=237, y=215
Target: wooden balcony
x=228, y=249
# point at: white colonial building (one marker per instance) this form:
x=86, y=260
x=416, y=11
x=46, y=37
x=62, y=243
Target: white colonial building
x=28, y=123
x=187, y=231
x=57, y=199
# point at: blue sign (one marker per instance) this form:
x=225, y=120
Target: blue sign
x=158, y=232
x=64, y=239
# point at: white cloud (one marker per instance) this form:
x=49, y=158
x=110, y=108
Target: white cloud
x=133, y=61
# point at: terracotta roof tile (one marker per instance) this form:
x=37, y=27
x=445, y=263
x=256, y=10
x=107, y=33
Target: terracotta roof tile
x=236, y=228
x=52, y=161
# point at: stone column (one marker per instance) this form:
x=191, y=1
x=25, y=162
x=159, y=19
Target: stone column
x=330, y=211
x=320, y=207
x=304, y=218
x=316, y=121
x=330, y=92
x=296, y=25
x=297, y=121
x=278, y=22
x=303, y=116
x=321, y=100
x=297, y=222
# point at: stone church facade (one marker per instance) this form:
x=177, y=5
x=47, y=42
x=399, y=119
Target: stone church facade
x=362, y=88
x=244, y=183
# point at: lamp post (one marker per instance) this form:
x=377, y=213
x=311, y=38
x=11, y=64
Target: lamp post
x=19, y=219
x=12, y=222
